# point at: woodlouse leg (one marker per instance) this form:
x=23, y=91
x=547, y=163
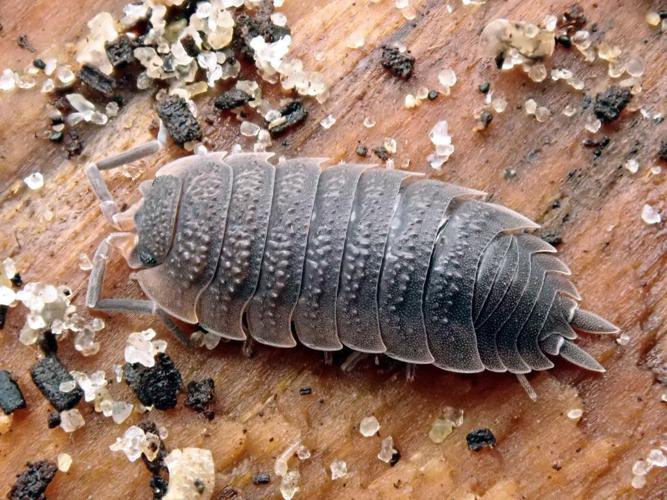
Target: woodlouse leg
x=352, y=361
x=173, y=328
x=410, y=369
x=94, y=172
x=96, y=280
x=526, y=386
x=247, y=348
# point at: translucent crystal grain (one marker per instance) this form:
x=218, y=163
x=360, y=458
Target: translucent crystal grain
x=631, y=166
x=401, y=4
x=650, y=215
x=575, y=413
x=7, y=296
x=653, y=18
x=67, y=386
x=369, y=122
x=9, y=267
x=7, y=80
x=592, y=124
x=616, y=69
x=120, y=410
x=641, y=467
x=249, y=129
x=369, y=426
x=542, y=114
x=550, y=21
x=537, y=72
x=328, y=122
x=279, y=19
x=281, y=465
x=655, y=170
x=569, y=110
x=634, y=67
x=71, y=420
x=5, y=423
x=499, y=104
x=410, y=101
x=638, y=482
x=338, y=469
x=387, y=450
x=64, y=462
x=47, y=86
x=303, y=453
x=390, y=145
x=447, y=79
x=530, y=106
x=623, y=339
x=34, y=181
x=65, y=75
x=191, y=473
x=289, y=485
x=440, y=429
x=141, y=348
x=657, y=458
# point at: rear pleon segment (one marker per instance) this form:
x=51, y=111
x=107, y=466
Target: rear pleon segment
x=314, y=316
x=268, y=313
x=220, y=306
x=193, y=257
x=420, y=213
x=448, y=305
x=372, y=212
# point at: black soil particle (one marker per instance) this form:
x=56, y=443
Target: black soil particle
x=261, y=478
x=156, y=386
x=39, y=63
x=598, y=144
x=120, y=52
x=552, y=236
x=432, y=95
x=609, y=104
x=159, y=486
x=157, y=464
x=16, y=280
x=53, y=419
x=485, y=118
x=662, y=152
x=306, y=390
x=32, y=482
x=179, y=120
x=382, y=153
x=47, y=374
x=361, y=150
x=92, y=77
x=401, y=64
x=484, y=87
x=228, y=492
x=3, y=315
x=395, y=457
x=56, y=136
x=480, y=438
x=201, y=396
x=48, y=343
x=564, y=40
x=11, y=397
x=292, y=114
x=73, y=144
x=249, y=26
x=232, y=98
x=23, y=42
x=190, y=45
x=573, y=19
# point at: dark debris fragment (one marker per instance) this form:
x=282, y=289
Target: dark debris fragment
x=401, y=64
x=201, y=396
x=47, y=374
x=564, y=40
x=23, y=42
x=156, y=465
x=120, y=52
x=11, y=397
x=16, y=280
x=53, y=419
x=32, y=482
x=662, y=152
x=190, y=45
x=480, y=438
x=3, y=315
x=93, y=78
x=382, y=153
x=552, y=236
x=179, y=120
x=250, y=26
x=158, y=486
x=598, y=144
x=39, y=63
x=361, y=150
x=261, y=478
x=228, y=492
x=432, y=95
x=232, y=98
x=292, y=114
x=73, y=144
x=610, y=103
x=484, y=87
x=305, y=390
x=156, y=386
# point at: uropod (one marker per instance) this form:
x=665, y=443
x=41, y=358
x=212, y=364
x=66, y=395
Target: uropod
x=378, y=260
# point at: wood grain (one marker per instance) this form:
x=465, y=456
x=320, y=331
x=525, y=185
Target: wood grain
x=619, y=264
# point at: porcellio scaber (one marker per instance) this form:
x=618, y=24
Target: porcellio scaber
x=378, y=260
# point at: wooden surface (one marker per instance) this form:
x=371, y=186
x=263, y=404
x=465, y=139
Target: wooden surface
x=619, y=264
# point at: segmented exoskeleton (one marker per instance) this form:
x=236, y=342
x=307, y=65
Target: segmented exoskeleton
x=381, y=261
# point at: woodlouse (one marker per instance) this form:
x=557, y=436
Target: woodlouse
x=381, y=261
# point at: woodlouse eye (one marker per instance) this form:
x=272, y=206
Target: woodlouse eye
x=147, y=258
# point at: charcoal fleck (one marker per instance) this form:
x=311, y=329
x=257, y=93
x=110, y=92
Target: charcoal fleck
x=610, y=103
x=232, y=98
x=53, y=419
x=292, y=114
x=200, y=396
x=261, y=478
x=400, y=64
x=32, y=482
x=11, y=397
x=480, y=438
x=156, y=386
x=47, y=374
x=120, y=52
x=179, y=120
x=96, y=80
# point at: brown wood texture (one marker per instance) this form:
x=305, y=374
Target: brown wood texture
x=619, y=264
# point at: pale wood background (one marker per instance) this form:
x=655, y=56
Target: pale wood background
x=619, y=265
